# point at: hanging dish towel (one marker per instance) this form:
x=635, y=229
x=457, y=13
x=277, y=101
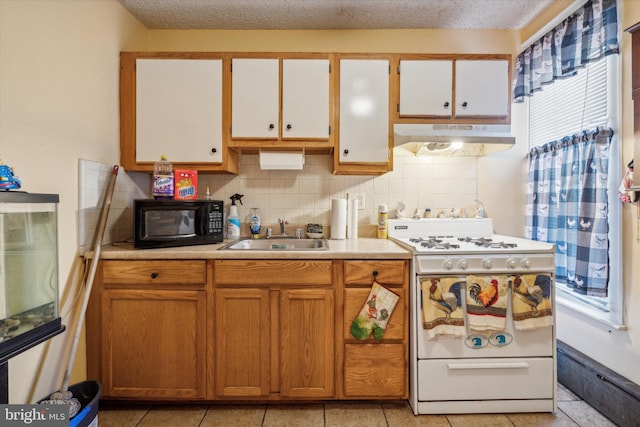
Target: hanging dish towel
x=487, y=298
x=442, y=312
x=375, y=313
x=531, y=301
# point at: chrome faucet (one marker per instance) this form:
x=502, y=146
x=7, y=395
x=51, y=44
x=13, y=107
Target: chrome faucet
x=282, y=222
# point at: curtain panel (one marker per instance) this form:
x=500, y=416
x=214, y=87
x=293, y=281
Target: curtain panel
x=588, y=34
x=567, y=205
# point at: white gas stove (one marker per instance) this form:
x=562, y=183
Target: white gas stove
x=468, y=245
x=475, y=372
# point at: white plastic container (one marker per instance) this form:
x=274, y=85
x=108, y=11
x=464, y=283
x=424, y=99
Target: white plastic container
x=233, y=223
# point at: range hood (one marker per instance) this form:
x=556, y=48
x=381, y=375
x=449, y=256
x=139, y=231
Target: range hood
x=452, y=139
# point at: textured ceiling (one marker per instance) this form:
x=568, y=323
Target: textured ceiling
x=335, y=14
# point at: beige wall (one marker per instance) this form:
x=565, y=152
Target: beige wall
x=59, y=65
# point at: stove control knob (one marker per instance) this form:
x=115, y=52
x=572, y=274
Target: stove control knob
x=447, y=264
x=463, y=264
x=511, y=263
x=487, y=264
x=525, y=263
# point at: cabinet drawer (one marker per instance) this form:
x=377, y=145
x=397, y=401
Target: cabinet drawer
x=484, y=379
x=388, y=272
x=190, y=272
x=355, y=298
x=375, y=370
x=261, y=272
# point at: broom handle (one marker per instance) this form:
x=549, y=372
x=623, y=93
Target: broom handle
x=102, y=223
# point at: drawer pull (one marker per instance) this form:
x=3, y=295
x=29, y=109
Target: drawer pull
x=375, y=273
x=489, y=365
x=154, y=275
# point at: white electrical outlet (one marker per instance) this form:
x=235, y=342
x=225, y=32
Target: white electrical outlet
x=360, y=197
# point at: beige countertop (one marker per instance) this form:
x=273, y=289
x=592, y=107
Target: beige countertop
x=361, y=248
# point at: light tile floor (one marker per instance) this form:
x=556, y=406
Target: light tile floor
x=572, y=412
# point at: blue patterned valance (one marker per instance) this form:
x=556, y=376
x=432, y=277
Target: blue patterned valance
x=587, y=35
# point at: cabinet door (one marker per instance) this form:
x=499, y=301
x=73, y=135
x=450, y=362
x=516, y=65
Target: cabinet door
x=482, y=88
x=305, y=98
x=242, y=342
x=307, y=343
x=255, y=92
x=426, y=88
x=364, y=111
x=154, y=343
x=179, y=110
x=375, y=370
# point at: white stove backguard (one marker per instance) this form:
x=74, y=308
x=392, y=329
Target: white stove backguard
x=459, y=227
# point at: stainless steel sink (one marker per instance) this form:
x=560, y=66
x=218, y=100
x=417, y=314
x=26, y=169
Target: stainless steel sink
x=278, y=244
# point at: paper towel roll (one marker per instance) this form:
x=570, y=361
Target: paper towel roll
x=352, y=222
x=338, y=218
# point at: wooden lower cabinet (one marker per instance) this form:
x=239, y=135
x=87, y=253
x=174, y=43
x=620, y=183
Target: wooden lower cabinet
x=242, y=340
x=154, y=343
x=274, y=329
x=306, y=343
x=375, y=369
x=244, y=330
x=147, y=329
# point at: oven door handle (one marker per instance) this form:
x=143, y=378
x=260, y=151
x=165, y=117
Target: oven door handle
x=487, y=365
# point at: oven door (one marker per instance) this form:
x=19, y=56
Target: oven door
x=507, y=342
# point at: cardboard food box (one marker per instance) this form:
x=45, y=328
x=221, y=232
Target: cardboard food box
x=186, y=184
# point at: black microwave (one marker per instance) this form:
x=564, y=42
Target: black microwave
x=169, y=223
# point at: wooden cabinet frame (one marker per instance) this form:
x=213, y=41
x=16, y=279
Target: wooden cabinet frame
x=395, y=84
x=128, y=114
x=252, y=145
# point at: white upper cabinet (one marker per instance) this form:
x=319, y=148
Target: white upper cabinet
x=305, y=98
x=364, y=111
x=255, y=98
x=482, y=88
x=178, y=110
x=255, y=92
x=425, y=88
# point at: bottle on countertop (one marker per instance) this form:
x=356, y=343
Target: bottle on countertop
x=383, y=221
x=254, y=223
x=163, y=184
x=233, y=220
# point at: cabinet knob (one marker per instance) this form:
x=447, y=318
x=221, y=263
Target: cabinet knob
x=464, y=104
x=374, y=273
x=446, y=104
x=346, y=151
x=154, y=275
x=289, y=127
x=214, y=150
x=272, y=126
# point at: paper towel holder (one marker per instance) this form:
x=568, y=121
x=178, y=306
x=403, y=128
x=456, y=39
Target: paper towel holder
x=281, y=159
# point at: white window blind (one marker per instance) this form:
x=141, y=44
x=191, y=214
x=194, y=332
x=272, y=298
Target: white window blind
x=569, y=105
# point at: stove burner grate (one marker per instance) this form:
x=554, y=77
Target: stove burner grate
x=487, y=242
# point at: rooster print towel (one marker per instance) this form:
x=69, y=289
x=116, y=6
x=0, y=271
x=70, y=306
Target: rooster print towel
x=531, y=301
x=442, y=312
x=487, y=299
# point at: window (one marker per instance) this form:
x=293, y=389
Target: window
x=589, y=99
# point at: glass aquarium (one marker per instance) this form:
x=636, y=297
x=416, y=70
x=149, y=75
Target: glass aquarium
x=29, y=307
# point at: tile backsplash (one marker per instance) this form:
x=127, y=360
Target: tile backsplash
x=93, y=178
x=299, y=196
x=304, y=196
